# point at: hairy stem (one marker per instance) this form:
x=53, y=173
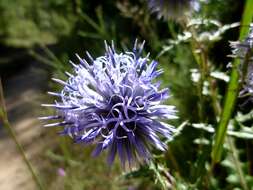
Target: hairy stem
x=232, y=91
x=6, y=124
x=237, y=163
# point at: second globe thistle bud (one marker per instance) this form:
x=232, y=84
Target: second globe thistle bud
x=171, y=9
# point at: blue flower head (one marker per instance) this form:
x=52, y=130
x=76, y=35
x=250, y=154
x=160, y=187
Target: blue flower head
x=113, y=102
x=172, y=9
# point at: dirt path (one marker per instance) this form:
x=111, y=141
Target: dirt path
x=23, y=98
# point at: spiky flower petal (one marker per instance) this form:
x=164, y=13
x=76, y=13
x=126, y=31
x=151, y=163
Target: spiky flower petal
x=114, y=102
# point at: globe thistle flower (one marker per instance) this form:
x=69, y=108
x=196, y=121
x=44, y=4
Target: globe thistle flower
x=171, y=9
x=113, y=102
x=243, y=50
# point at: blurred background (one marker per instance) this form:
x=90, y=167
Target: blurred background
x=37, y=40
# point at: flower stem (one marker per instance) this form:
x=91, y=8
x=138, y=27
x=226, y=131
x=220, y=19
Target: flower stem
x=198, y=57
x=6, y=124
x=232, y=91
x=236, y=161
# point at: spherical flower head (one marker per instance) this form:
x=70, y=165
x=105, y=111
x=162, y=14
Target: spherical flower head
x=171, y=9
x=113, y=102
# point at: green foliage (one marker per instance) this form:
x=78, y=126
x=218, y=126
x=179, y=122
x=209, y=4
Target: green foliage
x=35, y=22
x=155, y=172
x=190, y=51
x=81, y=170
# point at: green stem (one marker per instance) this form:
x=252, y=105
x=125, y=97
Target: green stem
x=6, y=124
x=237, y=163
x=200, y=83
x=232, y=92
x=195, y=45
x=230, y=100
